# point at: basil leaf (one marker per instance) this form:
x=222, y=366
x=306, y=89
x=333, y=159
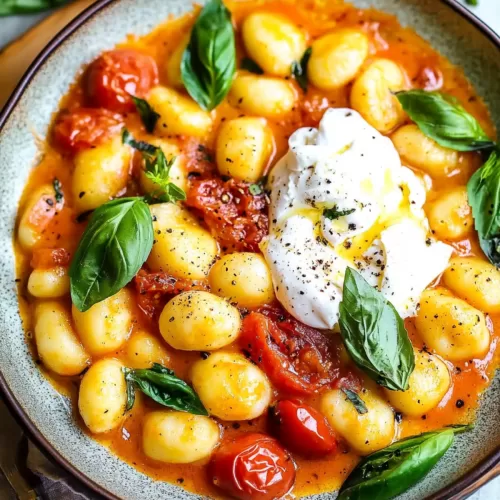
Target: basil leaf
x=333, y=213
x=115, y=244
x=142, y=146
x=392, y=470
x=209, y=61
x=440, y=117
x=161, y=385
x=358, y=403
x=56, y=183
x=472, y=2
x=374, y=334
x=483, y=190
x=299, y=69
x=250, y=65
x=148, y=115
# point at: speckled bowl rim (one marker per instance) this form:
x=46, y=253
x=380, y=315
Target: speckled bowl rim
x=455, y=488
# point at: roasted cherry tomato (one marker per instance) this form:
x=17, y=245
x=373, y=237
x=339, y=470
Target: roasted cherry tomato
x=252, y=467
x=45, y=258
x=302, y=429
x=84, y=128
x=297, y=358
x=116, y=75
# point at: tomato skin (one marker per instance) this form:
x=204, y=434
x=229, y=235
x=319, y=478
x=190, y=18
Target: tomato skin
x=116, y=74
x=84, y=128
x=302, y=429
x=252, y=467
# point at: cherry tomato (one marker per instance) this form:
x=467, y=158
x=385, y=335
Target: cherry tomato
x=297, y=358
x=84, y=128
x=45, y=258
x=116, y=75
x=252, y=467
x=302, y=429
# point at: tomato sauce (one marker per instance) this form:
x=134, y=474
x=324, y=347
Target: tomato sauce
x=424, y=67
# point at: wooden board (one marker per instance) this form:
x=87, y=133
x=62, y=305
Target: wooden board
x=16, y=57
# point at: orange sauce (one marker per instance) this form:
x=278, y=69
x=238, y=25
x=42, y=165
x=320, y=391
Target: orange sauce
x=387, y=39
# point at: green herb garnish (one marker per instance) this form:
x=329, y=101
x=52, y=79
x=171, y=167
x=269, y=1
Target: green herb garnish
x=299, y=69
x=250, y=65
x=148, y=115
x=358, y=403
x=59, y=196
x=161, y=385
x=333, y=213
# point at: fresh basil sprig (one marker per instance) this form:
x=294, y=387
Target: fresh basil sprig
x=250, y=65
x=440, y=117
x=161, y=385
x=392, y=470
x=299, y=69
x=148, y=115
x=374, y=334
x=483, y=191
x=334, y=213
x=209, y=61
x=115, y=244
x=354, y=398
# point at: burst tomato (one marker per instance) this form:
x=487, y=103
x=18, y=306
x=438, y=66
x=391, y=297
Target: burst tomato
x=252, y=467
x=236, y=218
x=84, y=128
x=45, y=258
x=298, y=359
x=302, y=429
x=118, y=74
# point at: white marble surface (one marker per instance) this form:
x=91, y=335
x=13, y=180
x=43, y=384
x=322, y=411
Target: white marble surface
x=488, y=10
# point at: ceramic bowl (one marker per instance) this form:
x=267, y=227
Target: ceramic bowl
x=46, y=415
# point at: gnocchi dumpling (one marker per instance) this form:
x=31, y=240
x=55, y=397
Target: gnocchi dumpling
x=372, y=95
x=49, y=283
x=103, y=396
x=230, y=387
x=243, y=278
x=366, y=432
x=179, y=114
x=172, y=68
x=336, y=58
x=199, y=321
x=419, y=151
x=100, y=173
x=450, y=216
x=39, y=210
x=428, y=384
x=106, y=326
x=144, y=349
x=243, y=148
x=273, y=42
x=476, y=281
x=451, y=327
x=181, y=247
x=261, y=95
x=58, y=347
x=179, y=438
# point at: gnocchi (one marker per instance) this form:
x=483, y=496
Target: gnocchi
x=199, y=321
x=181, y=247
x=179, y=438
x=49, y=283
x=106, y=326
x=451, y=327
x=243, y=278
x=243, y=148
x=100, y=173
x=428, y=384
x=144, y=349
x=372, y=95
x=450, y=216
x=230, y=387
x=179, y=115
x=261, y=95
x=337, y=58
x=172, y=68
x=103, y=396
x=476, y=281
x=58, y=347
x=366, y=432
x=273, y=42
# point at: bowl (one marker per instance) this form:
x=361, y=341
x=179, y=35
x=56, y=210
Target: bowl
x=45, y=414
